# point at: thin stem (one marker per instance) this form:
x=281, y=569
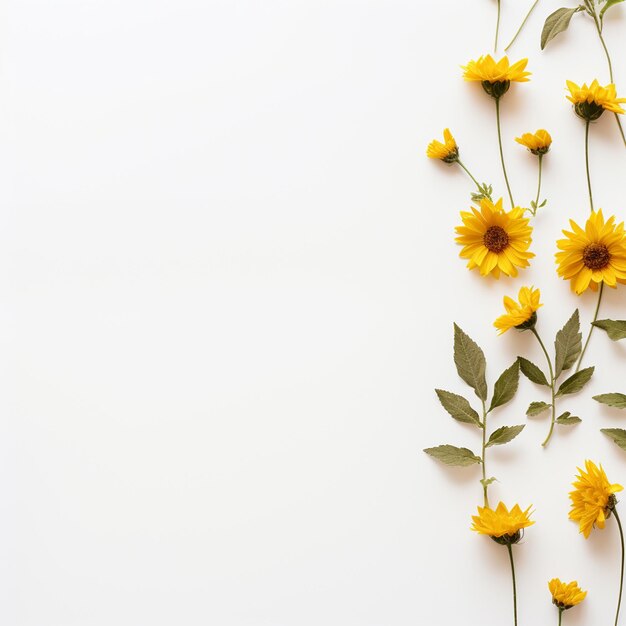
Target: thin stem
x=495, y=45
x=560, y=616
x=519, y=30
x=552, y=385
x=587, y=163
x=538, y=184
x=595, y=317
x=485, y=485
x=506, y=178
x=468, y=173
x=508, y=545
x=621, y=579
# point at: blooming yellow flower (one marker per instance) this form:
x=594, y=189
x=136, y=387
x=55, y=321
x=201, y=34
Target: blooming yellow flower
x=522, y=315
x=493, y=240
x=592, y=498
x=495, y=76
x=591, y=101
x=502, y=523
x=447, y=151
x=594, y=255
x=566, y=595
x=538, y=143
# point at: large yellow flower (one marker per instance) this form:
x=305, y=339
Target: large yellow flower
x=501, y=523
x=493, y=240
x=566, y=595
x=522, y=315
x=486, y=68
x=447, y=151
x=594, y=255
x=590, y=102
x=538, y=143
x=592, y=498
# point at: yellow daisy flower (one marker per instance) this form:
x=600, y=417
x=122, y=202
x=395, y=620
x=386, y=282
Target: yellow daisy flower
x=523, y=315
x=593, y=498
x=502, y=525
x=566, y=595
x=590, y=102
x=594, y=255
x=447, y=151
x=495, y=76
x=493, y=240
x=538, y=143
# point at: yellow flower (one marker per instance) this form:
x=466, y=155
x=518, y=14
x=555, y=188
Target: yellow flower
x=502, y=524
x=592, y=498
x=590, y=102
x=523, y=315
x=594, y=255
x=566, y=595
x=447, y=151
x=496, y=76
x=538, y=143
x=493, y=240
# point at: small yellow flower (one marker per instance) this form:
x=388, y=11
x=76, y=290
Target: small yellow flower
x=502, y=524
x=447, y=151
x=538, y=143
x=590, y=102
x=566, y=595
x=523, y=315
x=493, y=240
x=594, y=255
x=496, y=76
x=593, y=498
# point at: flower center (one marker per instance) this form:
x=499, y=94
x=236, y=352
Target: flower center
x=495, y=239
x=596, y=256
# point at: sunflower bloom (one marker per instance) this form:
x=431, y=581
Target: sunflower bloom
x=590, y=102
x=566, y=595
x=538, y=143
x=495, y=76
x=522, y=315
x=447, y=151
x=594, y=255
x=593, y=498
x=493, y=240
x=502, y=524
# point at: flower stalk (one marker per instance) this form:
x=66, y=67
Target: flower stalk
x=519, y=30
x=552, y=386
x=506, y=178
x=510, y=549
x=621, y=580
x=591, y=326
x=587, y=163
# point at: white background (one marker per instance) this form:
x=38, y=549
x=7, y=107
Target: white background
x=228, y=282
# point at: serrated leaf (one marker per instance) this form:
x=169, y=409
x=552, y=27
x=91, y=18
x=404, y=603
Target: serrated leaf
x=536, y=408
x=503, y=435
x=556, y=23
x=568, y=345
x=451, y=455
x=470, y=362
x=615, y=329
x=607, y=5
x=567, y=419
x=618, y=435
x=505, y=387
x=485, y=482
x=617, y=400
x=532, y=372
x=458, y=407
x=575, y=382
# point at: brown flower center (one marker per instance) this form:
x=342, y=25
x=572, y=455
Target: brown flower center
x=496, y=239
x=596, y=256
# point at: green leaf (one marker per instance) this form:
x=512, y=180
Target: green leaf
x=470, y=362
x=618, y=435
x=451, y=455
x=567, y=419
x=617, y=400
x=505, y=387
x=607, y=5
x=536, y=408
x=503, y=435
x=556, y=23
x=575, y=382
x=615, y=329
x=568, y=345
x=458, y=407
x=485, y=482
x=532, y=372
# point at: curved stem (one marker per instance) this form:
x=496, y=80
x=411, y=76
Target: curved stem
x=538, y=184
x=552, y=385
x=506, y=178
x=621, y=579
x=508, y=545
x=595, y=317
x=519, y=30
x=560, y=616
x=587, y=163
x=468, y=173
x=495, y=45
x=485, y=485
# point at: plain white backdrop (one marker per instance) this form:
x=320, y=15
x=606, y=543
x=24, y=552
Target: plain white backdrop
x=228, y=282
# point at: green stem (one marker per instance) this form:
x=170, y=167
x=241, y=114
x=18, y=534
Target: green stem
x=468, y=173
x=621, y=579
x=538, y=184
x=506, y=178
x=560, y=616
x=519, y=30
x=595, y=317
x=587, y=163
x=495, y=45
x=485, y=486
x=508, y=545
x=552, y=387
